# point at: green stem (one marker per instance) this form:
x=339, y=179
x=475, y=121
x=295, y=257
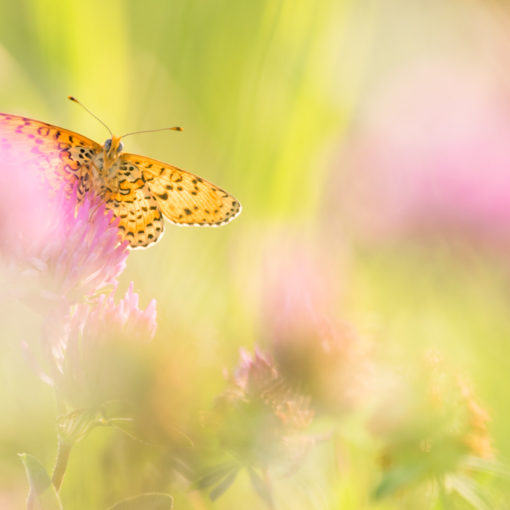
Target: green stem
x=63, y=451
x=31, y=503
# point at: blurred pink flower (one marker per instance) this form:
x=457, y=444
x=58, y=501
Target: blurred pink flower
x=259, y=423
x=431, y=155
x=253, y=373
x=326, y=358
x=257, y=377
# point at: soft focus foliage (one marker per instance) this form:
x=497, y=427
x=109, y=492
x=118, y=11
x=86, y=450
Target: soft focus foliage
x=365, y=284
x=429, y=424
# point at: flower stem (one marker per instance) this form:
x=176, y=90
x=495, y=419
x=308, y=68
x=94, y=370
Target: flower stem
x=63, y=451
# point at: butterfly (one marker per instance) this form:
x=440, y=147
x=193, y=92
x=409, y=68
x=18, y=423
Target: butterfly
x=140, y=191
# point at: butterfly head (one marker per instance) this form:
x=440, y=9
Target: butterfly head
x=113, y=147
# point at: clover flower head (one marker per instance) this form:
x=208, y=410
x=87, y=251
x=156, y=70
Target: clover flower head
x=103, y=348
x=261, y=412
x=57, y=248
x=83, y=253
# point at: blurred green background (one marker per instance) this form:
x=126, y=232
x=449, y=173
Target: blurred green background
x=270, y=94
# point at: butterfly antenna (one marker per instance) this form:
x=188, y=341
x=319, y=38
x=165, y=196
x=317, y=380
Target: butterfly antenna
x=74, y=100
x=175, y=128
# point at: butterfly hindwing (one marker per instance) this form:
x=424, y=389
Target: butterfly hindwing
x=140, y=220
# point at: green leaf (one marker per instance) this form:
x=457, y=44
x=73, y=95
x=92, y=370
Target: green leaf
x=224, y=485
x=153, y=501
x=42, y=494
x=261, y=487
x=396, y=479
x=214, y=475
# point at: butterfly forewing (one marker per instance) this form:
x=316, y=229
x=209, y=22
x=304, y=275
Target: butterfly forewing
x=51, y=147
x=184, y=198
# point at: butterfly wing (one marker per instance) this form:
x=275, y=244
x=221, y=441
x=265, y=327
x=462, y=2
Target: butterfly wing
x=142, y=189
x=140, y=220
x=59, y=153
x=184, y=198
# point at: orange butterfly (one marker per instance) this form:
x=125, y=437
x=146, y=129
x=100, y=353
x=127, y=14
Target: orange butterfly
x=138, y=190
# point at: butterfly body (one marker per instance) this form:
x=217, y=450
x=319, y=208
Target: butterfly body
x=139, y=190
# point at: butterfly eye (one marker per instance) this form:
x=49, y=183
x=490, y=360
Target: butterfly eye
x=121, y=147
x=108, y=145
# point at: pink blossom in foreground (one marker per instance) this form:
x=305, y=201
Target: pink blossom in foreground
x=431, y=156
x=83, y=253
x=101, y=353
x=56, y=251
x=61, y=257
x=26, y=208
x=124, y=317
